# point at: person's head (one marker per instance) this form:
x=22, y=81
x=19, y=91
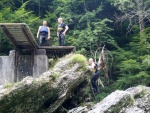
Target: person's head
x=60, y=20
x=44, y=23
x=90, y=61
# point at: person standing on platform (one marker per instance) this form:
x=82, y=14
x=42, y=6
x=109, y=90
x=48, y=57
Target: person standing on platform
x=44, y=34
x=61, y=31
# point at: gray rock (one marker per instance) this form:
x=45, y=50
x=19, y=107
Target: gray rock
x=79, y=110
x=132, y=100
x=135, y=90
x=44, y=94
x=1, y=87
x=132, y=110
x=141, y=100
x=113, y=102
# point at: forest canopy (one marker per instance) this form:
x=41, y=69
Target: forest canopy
x=123, y=26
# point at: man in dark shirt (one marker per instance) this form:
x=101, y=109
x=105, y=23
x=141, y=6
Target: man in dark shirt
x=61, y=31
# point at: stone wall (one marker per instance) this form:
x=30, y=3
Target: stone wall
x=7, y=69
x=40, y=65
x=26, y=67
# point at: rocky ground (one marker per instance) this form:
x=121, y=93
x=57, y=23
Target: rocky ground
x=132, y=100
x=60, y=90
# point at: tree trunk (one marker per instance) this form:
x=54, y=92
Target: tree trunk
x=141, y=24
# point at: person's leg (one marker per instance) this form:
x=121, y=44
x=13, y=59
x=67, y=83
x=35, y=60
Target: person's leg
x=93, y=81
x=45, y=41
x=59, y=39
x=97, y=75
x=93, y=84
x=63, y=40
x=41, y=40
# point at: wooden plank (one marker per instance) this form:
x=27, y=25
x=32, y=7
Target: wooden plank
x=16, y=32
x=13, y=27
x=57, y=51
x=12, y=24
x=56, y=47
x=20, y=33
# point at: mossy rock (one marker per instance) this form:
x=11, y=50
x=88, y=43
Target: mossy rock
x=82, y=60
x=47, y=92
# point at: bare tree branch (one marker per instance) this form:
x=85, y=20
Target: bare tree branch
x=138, y=14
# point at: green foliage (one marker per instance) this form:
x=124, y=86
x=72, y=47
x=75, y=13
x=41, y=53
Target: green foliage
x=122, y=4
x=78, y=58
x=19, y=15
x=52, y=62
x=54, y=76
x=125, y=82
x=9, y=85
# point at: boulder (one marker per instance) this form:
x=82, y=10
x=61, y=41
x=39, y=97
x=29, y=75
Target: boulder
x=113, y=103
x=141, y=103
x=79, y=110
x=47, y=93
x=132, y=100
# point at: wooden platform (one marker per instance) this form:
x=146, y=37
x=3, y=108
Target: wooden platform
x=57, y=48
x=57, y=51
x=19, y=35
x=22, y=38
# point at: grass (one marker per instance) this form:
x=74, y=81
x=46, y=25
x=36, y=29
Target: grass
x=55, y=76
x=78, y=58
x=52, y=62
x=9, y=85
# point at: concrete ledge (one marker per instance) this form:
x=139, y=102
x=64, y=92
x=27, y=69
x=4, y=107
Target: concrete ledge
x=40, y=52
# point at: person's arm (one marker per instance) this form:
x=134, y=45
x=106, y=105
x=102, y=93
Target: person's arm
x=91, y=67
x=57, y=34
x=38, y=31
x=48, y=33
x=66, y=29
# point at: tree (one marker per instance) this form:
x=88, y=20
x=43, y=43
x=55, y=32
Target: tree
x=133, y=11
x=20, y=15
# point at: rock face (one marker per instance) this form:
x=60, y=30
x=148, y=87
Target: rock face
x=132, y=100
x=47, y=93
